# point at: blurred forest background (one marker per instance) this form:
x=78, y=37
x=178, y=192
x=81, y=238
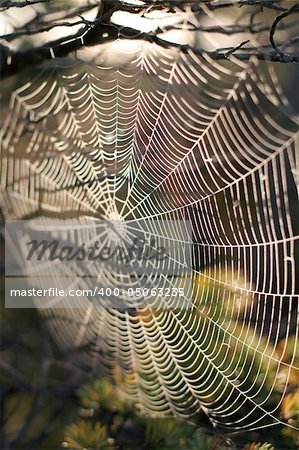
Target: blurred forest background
x=48, y=399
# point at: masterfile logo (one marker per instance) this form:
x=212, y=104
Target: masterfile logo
x=50, y=263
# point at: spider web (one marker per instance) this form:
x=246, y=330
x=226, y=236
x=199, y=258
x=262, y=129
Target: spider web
x=170, y=135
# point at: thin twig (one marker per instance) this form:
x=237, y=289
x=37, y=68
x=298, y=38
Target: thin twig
x=31, y=31
x=11, y=4
x=292, y=9
x=233, y=50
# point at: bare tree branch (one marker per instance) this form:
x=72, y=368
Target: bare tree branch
x=292, y=9
x=42, y=29
x=101, y=30
x=41, y=23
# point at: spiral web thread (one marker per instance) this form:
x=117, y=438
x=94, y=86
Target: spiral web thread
x=171, y=135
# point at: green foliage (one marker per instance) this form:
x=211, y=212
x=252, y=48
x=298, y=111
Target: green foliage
x=114, y=424
x=85, y=435
x=259, y=446
x=102, y=395
x=167, y=433
x=103, y=404
x=290, y=411
x=173, y=434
